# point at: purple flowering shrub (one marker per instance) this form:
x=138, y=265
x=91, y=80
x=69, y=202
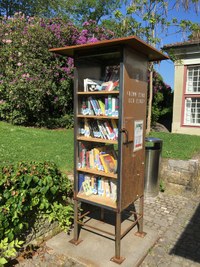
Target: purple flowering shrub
x=36, y=86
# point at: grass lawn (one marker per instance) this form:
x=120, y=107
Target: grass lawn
x=178, y=146
x=26, y=144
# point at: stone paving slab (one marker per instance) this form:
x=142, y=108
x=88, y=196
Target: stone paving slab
x=175, y=219
x=96, y=250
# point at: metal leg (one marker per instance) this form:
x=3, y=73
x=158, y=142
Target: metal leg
x=102, y=214
x=140, y=232
x=117, y=258
x=76, y=239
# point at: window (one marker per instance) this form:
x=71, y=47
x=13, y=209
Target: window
x=193, y=80
x=192, y=97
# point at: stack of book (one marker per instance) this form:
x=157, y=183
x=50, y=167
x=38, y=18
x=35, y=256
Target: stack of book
x=95, y=185
x=102, y=158
x=95, y=85
x=109, y=83
x=109, y=106
x=99, y=129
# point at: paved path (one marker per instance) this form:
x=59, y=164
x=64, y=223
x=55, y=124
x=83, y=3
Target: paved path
x=175, y=218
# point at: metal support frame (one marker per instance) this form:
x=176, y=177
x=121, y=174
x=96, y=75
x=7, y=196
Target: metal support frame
x=140, y=232
x=118, y=235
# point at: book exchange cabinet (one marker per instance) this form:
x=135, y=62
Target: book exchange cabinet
x=110, y=96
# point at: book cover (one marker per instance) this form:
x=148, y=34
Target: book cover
x=91, y=159
x=87, y=188
x=109, y=130
x=102, y=106
x=108, y=163
x=93, y=104
x=83, y=107
x=92, y=85
x=113, y=194
x=117, y=107
x=109, y=105
x=115, y=128
x=106, y=106
x=80, y=180
x=113, y=106
x=87, y=128
x=107, y=188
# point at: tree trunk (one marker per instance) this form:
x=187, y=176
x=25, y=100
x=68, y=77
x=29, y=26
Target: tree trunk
x=148, y=129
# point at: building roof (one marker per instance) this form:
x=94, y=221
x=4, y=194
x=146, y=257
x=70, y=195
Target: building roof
x=132, y=41
x=182, y=44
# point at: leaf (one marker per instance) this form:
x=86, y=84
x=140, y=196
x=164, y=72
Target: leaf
x=3, y=261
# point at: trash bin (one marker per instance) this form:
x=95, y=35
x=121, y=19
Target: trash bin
x=153, y=149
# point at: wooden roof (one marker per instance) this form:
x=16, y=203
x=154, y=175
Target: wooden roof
x=134, y=42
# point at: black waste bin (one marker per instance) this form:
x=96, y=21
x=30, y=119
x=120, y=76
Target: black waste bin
x=153, y=150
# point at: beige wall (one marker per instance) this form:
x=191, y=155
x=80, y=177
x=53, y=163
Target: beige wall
x=178, y=99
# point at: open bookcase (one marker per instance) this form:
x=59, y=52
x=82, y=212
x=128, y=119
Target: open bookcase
x=110, y=95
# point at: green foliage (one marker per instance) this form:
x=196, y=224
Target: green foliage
x=85, y=10
x=151, y=20
x=36, y=86
x=27, y=190
x=8, y=249
x=30, y=8
x=162, y=186
x=162, y=99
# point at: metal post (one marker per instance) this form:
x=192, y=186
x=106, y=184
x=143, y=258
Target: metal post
x=140, y=232
x=117, y=258
x=76, y=239
x=102, y=214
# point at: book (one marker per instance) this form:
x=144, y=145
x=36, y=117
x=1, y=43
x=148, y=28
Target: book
x=115, y=128
x=107, y=188
x=109, y=130
x=87, y=131
x=108, y=162
x=80, y=180
x=102, y=107
x=113, y=189
x=92, y=85
x=87, y=188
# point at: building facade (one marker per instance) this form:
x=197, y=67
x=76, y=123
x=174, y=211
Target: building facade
x=186, y=106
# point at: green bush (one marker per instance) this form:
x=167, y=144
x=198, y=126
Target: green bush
x=162, y=103
x=67, y=121
x=29, y=189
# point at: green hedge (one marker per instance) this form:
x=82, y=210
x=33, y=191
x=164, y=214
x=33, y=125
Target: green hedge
x=27, y=190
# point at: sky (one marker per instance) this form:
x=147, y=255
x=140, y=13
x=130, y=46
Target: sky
x=166, y=67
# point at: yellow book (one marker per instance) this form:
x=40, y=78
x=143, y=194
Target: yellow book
x=91, y=159
x=102, y=106
x=108, y=162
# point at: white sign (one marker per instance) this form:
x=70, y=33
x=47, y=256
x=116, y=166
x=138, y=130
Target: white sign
x=138, y=135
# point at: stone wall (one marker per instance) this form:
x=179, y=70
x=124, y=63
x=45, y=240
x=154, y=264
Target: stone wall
x=182, y=176
x=39, y=230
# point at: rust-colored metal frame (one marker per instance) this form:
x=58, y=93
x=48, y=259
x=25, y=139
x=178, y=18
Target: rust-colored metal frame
x=118, y=235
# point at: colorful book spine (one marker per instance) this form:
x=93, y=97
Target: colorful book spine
x=80, y=180
x=115, y=128
x=109, y=105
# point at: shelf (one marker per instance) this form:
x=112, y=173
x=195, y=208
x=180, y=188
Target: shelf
x=99, y=93
x=104, y=201
x=96, y=172
x=98, y=140
x=97, y=117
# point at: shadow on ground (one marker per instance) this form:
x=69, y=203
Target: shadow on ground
x=188, y=245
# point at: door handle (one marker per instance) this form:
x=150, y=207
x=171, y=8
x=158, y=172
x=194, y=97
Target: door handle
x=123, y=130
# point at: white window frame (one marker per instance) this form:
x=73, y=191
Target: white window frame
x=192, y=96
